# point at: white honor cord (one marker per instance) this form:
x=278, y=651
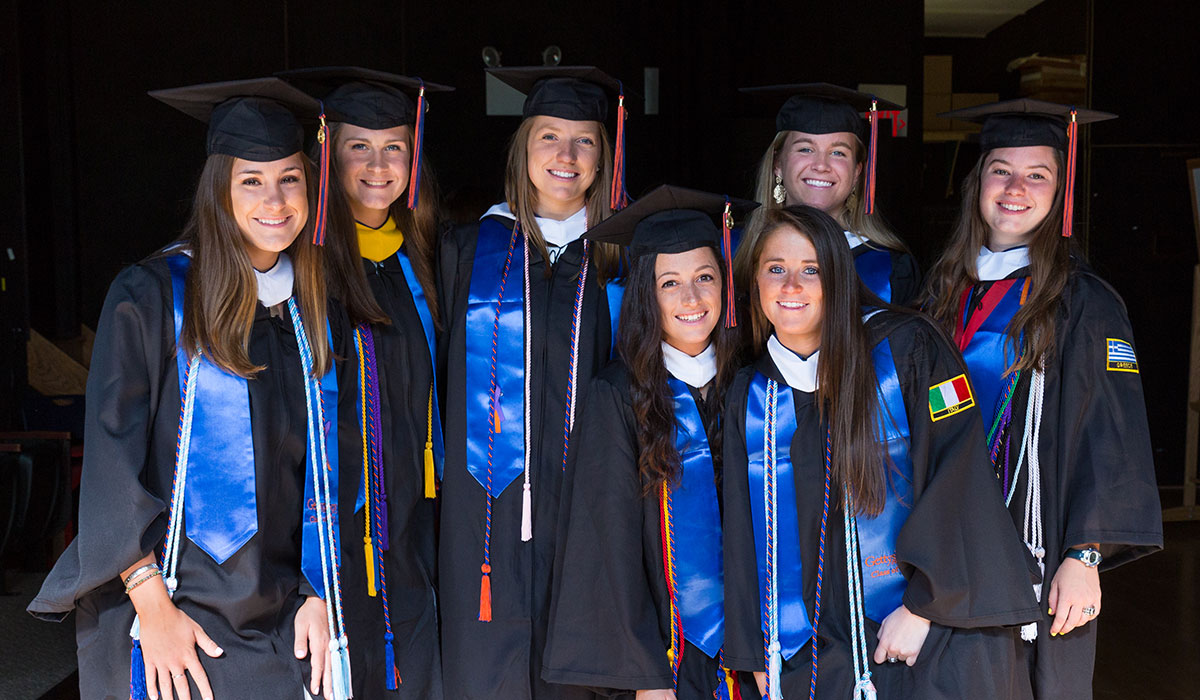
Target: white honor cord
x=527, y=341
x=863, y=687
x=175, y=517
x=774, y=656
x=318, y=457
x=1032, y=529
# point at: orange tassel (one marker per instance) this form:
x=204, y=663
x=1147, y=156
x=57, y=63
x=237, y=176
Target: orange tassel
x=485, y=595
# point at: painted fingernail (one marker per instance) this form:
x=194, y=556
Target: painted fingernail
x=1050, y=611
x=219, y=651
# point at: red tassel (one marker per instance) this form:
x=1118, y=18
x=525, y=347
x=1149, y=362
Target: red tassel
x=322, y=181
x=727, y=248
x=1069, y=193
x=618, y=198
x=869, y=179
x=485, y=595
x=414, y=181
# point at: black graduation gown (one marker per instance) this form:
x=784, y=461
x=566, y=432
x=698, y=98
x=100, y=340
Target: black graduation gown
x=610, y=624
x=964, y=574
x=247, y=605
x=1098, y=482
x=405, y=372
x=503, y=658
x=905, y=276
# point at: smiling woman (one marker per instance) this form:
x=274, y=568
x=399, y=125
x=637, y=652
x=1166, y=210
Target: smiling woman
x=528, y=323
x=230, y=322
x=1051, y=358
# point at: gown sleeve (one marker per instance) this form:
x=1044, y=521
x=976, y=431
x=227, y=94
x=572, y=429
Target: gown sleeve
x=743, y=620
x=958, y=548
x=604, y=624
x=120, y=519
x=1109, y=493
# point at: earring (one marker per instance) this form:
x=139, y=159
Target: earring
x=779, y=194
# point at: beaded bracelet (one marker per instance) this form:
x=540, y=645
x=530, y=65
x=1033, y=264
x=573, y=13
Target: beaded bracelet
x=140, y=576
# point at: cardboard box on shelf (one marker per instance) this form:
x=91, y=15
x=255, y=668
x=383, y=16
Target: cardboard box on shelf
x=938, y=71
x=1041, y=74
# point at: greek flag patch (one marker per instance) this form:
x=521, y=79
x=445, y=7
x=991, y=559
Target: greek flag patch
x=1121, y=357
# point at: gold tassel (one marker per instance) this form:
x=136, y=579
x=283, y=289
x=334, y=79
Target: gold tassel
x=430, y=481
x=370, y=551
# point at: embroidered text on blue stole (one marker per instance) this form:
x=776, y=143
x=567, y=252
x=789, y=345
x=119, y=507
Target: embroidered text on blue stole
x=883, y=584
x=696, y=524
x=220, y=508
x=989, y=353
x=419, y=301
x=508, y=443
x=310, y=544
x=795, y=629
x=875, y=270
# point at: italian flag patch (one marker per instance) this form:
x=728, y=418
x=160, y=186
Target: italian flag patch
x=950, y=397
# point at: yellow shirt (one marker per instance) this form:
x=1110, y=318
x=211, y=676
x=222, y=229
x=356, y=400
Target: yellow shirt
x=379, y=244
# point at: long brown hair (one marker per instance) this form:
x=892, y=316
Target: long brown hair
x=1049, y=263
x=853, y=216
x=347, y=281
x=522, y=198
x=639, y=342
x=221, y=291
x=847, y=387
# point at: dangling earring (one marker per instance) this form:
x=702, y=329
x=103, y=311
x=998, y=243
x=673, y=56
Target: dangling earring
x=779, y=194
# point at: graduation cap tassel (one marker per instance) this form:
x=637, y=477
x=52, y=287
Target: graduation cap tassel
x=1069, y=192
x=619, y=197
x=414, y=183
x=872, y=145
x=322, y=180
x=485, y=594
x=727, y=249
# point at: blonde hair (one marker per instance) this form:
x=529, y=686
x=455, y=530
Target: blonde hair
x=521, y=196
x=853, y=216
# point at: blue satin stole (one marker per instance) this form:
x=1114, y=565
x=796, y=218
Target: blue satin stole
x=419, y=301
x=696, y=526
x=875, y=270
x=883, y=584
x=507, y=445
x=220, y=498
x=988, y=353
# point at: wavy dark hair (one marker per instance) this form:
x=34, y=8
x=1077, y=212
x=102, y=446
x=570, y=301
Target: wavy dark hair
x=1049, y=265
x=639, y=343
x=847, y=387
x=347, y=281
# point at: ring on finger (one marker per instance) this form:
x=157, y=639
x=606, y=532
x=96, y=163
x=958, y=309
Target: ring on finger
x=179, y=675
x=1090, y=611
x=893, y=659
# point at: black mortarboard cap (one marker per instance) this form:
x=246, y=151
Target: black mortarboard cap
x=674, y=219
x=578, y=93
x=1025, y=122
x=821, y=108
x=364, y=97
x=251, y=119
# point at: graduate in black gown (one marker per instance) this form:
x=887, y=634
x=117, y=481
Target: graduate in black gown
x=382, y=249
x=526, y=303
x=858, y=498
x=823, y=156
x=638, y=604
x=240, y=539
x=1051, y=353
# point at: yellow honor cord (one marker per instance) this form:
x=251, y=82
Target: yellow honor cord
x=669, y=561
x=369, y=550
x=430, y=484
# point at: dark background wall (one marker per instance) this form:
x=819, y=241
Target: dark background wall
x=95, y=175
